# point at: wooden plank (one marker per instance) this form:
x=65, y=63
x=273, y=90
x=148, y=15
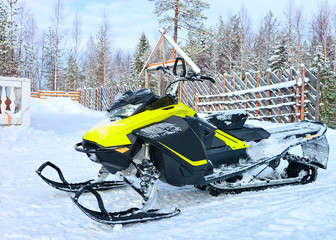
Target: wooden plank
x=311, y=77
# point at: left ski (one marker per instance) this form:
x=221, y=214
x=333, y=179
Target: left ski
x=74, y=187
x=132, y=215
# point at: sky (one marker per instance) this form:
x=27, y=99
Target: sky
x=130, y=18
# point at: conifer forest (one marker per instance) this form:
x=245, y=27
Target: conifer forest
x=61, y=58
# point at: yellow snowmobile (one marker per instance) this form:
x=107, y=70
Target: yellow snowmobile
x=157, y=138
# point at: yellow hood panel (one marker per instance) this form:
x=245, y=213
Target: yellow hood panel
x=110, y=134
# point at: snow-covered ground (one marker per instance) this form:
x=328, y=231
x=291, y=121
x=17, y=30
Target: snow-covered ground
x=30, y=209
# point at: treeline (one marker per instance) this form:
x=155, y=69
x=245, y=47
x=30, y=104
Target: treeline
x=58, y=58
x=233, y=45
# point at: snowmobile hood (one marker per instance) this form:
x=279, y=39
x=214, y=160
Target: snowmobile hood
x=111, y=133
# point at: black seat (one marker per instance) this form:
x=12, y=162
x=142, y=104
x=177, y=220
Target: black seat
x=228, y=120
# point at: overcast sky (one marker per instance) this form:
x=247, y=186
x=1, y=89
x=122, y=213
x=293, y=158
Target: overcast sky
x=129, y=18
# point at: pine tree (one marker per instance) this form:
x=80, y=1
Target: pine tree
x=5, y=43
x=329, y=102
x=268, y=33
x=196, y=43
x=72, y=70
x=186, y=13
x=278, y=61
x=142, y=52
x=329, y=89
x=103, y=52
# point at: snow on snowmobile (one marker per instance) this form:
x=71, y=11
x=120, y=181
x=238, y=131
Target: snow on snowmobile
x=153, y=138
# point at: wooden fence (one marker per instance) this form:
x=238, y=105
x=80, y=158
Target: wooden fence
x=287, y=96
x=100, y=98
x=50, y=94
x=284, y=97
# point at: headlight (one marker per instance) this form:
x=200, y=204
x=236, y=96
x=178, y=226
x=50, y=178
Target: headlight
x=124, y=111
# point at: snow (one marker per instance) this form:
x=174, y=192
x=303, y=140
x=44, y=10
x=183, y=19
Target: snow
x=30, y=209
x=255, y=90
x=160, y=130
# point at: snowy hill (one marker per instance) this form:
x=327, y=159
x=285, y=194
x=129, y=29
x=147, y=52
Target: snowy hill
x=30, y=209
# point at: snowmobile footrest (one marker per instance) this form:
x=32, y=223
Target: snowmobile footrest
x=74, y=187
x=132, y=215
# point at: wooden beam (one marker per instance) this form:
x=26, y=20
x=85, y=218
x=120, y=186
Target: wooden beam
x=163, y=32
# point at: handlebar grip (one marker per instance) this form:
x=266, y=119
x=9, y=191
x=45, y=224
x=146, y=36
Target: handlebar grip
x=208, y=78
x=183, y=66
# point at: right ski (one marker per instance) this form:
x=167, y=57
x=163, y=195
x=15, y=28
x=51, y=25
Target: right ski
x=132, y=215
x=74, y=187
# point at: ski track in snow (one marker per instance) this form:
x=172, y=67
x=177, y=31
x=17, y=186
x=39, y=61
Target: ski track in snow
x=30, y=209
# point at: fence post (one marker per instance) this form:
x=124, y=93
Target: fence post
x=217, y=92
x=224, y=88
x=246, y=84
x=280, y=93
x=318, y=88
x=291, y=118
x=297, y=93
x=257, y=95
x=194, y=93
x=302, y=115
x=268, y=93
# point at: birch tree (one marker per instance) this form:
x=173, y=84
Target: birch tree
x=76, y=32
x=57, y=20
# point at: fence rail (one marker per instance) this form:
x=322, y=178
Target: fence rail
x=48, y=94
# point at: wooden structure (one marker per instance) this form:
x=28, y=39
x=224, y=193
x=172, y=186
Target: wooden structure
x=50, y=94
x=14, y=101
x=149, y=66
x=284, y=97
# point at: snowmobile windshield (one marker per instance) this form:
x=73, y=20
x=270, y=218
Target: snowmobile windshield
x=124, y=111
x=130, y=103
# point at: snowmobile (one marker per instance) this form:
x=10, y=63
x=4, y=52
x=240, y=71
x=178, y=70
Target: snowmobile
x=151, y=138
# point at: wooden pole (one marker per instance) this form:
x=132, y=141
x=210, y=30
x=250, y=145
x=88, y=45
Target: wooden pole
x=291, y=118
x=297, y=93
x=303, y=93
x=280, y=93
x=224, y=88
x=246, y=84
x=257, y=95
x=234, y=89
x=197, y=99
x=268, y=93
x=318, y=100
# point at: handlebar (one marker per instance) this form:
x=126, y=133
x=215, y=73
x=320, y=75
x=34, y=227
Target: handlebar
x=208, y=78
x=181, y=78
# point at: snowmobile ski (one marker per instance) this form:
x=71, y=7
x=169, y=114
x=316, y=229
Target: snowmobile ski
x=74, y=187
x=132, y=215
